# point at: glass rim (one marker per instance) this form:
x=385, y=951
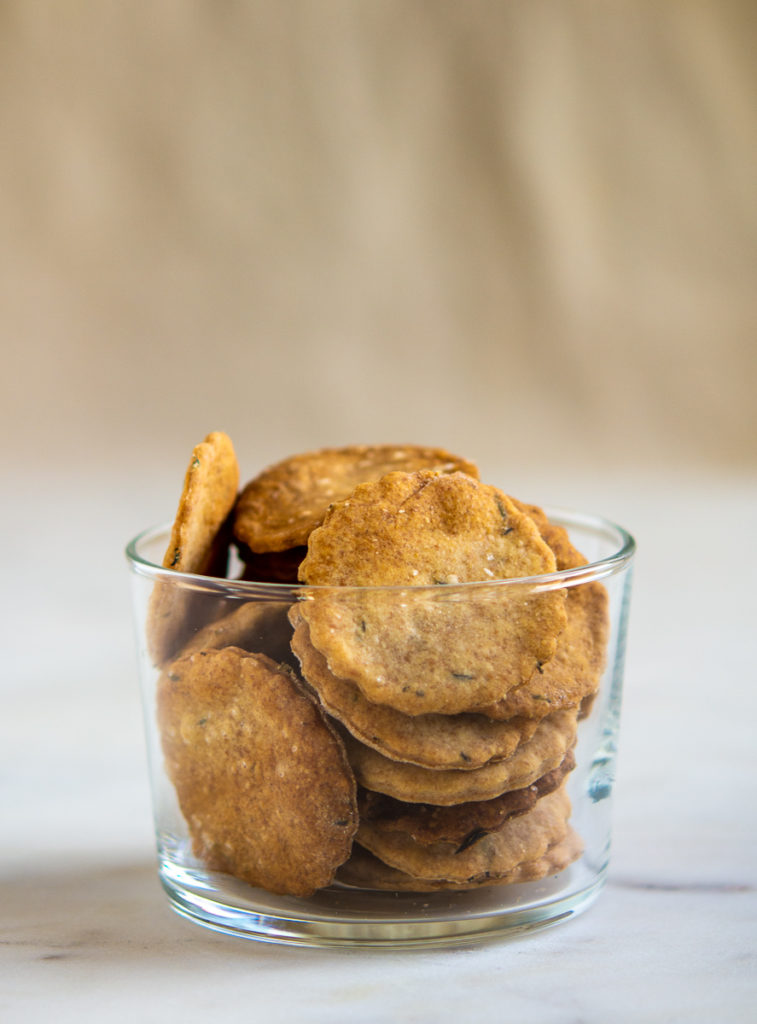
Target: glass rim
x=598, y=569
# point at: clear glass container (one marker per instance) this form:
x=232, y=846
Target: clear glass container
x=353, y=911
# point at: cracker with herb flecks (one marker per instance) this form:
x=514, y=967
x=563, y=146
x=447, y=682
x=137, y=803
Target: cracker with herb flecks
x=365, y=871
x=432, y=648
x=547, y=748
x=526, y=837
x=261, y=778
x=279, y=508
x=463, y=824
x=463, y=741
x=571, y=677
x=197, y=544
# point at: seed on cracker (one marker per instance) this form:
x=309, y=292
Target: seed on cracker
x=463, y=741
x=197, y=543
x=261, y=778
x=545, y=751
x=430, y=649
x=280, y=507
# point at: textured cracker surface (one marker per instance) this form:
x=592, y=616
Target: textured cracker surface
x=207, y=498
x=553, y=738
x=366, y=871
x=461, y=741
x=261, y=779
x=462, y=824
x=573, y=674
x=575, y=670
x=526, y=837
x=431, y=651
x=281, y=506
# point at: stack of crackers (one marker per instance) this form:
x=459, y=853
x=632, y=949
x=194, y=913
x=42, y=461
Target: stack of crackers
x=394, y=717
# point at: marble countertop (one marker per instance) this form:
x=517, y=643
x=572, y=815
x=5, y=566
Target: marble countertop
x=86, y=934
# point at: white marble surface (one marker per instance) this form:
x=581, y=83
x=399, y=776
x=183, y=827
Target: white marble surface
x=86, y=935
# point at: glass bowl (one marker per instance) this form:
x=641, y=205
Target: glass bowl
x=355, y=909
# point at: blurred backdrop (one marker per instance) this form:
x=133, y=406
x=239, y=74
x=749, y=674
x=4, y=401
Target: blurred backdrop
x=526, y=231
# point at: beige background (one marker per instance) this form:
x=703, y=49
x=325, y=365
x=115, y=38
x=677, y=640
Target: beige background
x=526, y=231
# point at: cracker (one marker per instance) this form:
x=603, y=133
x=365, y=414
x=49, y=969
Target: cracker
x=207, y=498
x=365, y=871
x=573, y=674
x=526, y=837
x=261, y=779
x=463, y=741
x=197, y=543
x=461, y=824
x=557, y=537
x=553, y=738
x=281, y=506
x=259, y=626
x=432, y=648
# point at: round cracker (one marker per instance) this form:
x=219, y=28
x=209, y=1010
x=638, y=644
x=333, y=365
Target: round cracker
x=463, y=741
x=207, y=498
x=553, y=738
x=281, y=506
x=261, y=779
x=365, y=871
x=197, y=543
x=573, y=674
x=430, y=648
x=462, y=824
x=526, y=837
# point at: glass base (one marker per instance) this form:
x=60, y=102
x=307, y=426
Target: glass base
x=344, y=916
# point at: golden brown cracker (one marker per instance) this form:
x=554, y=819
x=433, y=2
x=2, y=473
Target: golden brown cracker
x=210, y=489
x=553, y=738
x=281, y=506
x=525, y=837
x=557, y=537
x=430, y=648
x=461, y=824
x=574, y=672
x=463, y=741
x=207, y=498
x=572, y=676
x=261, y=779
x=365, y=871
